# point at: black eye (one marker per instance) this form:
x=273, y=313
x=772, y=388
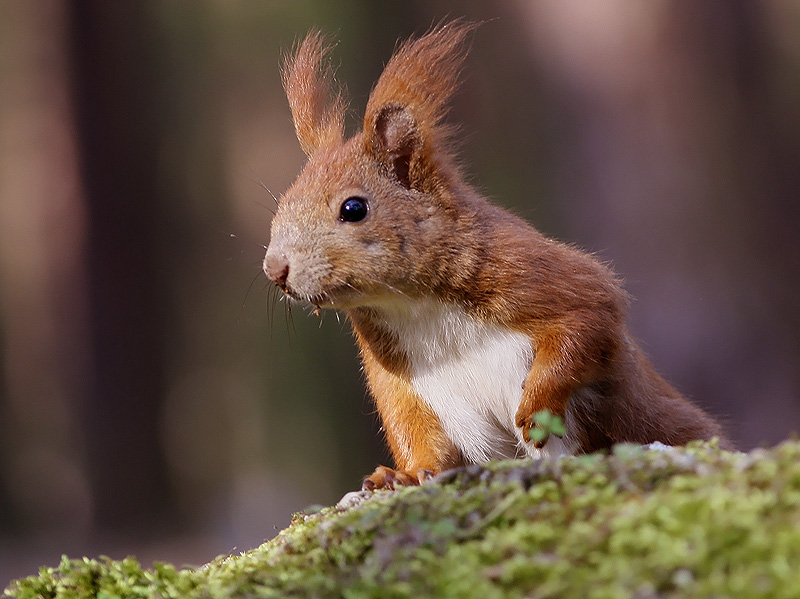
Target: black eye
x=353, y=209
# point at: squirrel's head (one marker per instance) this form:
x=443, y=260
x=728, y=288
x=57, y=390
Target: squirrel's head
x=374, y=216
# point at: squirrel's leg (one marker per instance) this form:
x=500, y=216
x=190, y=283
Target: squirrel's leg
x=542, y=391
x=567, y=357
x=417, y=441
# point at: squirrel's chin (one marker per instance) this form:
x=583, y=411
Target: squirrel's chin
x=338, y=299
x=347, y=297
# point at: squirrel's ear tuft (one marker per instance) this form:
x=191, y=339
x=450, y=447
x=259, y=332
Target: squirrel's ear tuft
x=403, y=119
x=317, y=110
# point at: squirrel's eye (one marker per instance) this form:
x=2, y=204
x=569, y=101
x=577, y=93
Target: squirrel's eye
x=353, y=209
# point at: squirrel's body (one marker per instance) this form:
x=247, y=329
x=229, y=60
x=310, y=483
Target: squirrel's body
x=469, y=372
x=468, y=319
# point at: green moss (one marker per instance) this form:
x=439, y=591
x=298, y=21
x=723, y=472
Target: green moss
x=694, y=522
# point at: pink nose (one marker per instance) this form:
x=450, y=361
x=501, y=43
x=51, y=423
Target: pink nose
x=277, y=268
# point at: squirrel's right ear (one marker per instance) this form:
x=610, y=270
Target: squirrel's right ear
x=317, y=110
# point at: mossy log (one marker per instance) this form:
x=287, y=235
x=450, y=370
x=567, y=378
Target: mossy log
x=689, y=522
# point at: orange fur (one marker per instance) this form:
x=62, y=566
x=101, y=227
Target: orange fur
x=413, y=431
x=430, y=246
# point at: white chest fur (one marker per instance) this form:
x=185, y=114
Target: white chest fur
x=471, y=374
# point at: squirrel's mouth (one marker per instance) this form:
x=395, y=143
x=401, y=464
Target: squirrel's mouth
x=334, y=298
x=346, y=296
x=318, y=300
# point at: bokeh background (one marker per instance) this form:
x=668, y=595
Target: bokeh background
x=156, y=400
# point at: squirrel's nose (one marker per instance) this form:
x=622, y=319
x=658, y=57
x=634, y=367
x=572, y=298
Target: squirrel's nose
x=277, y=268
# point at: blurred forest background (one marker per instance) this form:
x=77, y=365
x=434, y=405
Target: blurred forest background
x=153, y=399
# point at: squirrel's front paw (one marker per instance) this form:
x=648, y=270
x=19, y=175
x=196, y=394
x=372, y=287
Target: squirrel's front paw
x=538, y=427
x=532, y=430
x=387, y=478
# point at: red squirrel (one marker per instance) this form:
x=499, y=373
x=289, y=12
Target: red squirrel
x=469, y=321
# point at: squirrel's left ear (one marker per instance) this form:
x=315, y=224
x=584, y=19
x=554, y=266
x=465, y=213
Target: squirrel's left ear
x=394, y=139
x=403, y=126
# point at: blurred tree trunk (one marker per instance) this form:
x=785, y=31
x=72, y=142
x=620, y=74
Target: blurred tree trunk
x=43, y=311
x=115, y=91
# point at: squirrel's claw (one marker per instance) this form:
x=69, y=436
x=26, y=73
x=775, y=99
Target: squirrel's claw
x=541, y=443
x=526, y=423
x=388, y=478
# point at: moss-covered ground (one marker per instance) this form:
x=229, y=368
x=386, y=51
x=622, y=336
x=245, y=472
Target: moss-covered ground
x=694, y=522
